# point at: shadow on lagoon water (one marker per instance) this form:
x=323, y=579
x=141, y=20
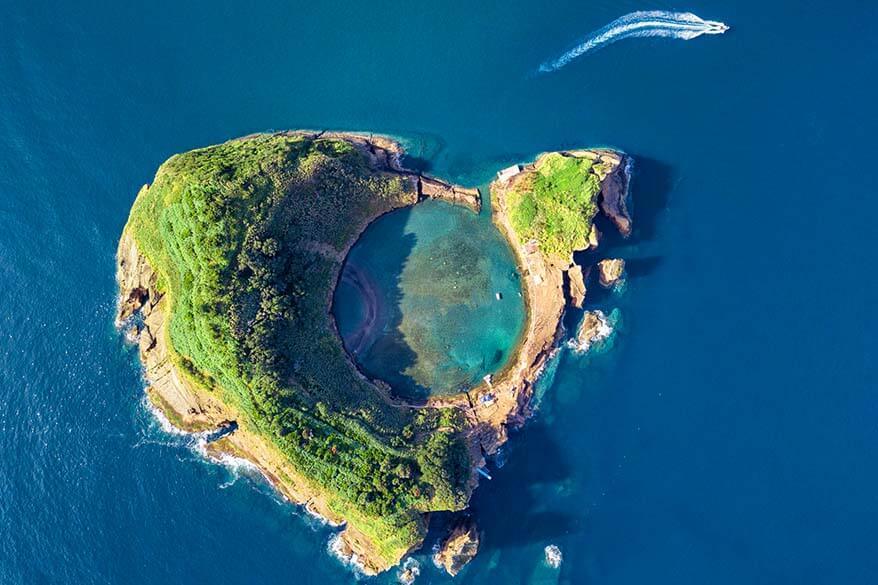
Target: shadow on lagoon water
x=419, y=277
x=429, y=300
x=372, y=334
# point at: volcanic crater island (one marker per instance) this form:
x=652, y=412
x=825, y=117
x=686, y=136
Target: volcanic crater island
x=228, y=267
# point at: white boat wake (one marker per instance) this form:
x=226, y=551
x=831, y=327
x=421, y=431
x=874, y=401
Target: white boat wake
x=652, y=23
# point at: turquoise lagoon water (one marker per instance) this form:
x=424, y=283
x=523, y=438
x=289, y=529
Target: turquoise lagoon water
x=417, y=302
x=729, y=436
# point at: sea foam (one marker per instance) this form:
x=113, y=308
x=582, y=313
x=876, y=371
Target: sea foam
x=337, y=548
x=648, y=23
x=554, y=558
x=408, y=572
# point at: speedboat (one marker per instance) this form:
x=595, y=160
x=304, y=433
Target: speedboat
x=715, y=27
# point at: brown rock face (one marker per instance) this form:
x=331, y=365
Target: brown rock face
x=459, y=547
x=135, y=278
x=577, y=285
x=133, y=303
x=614, y=193
x=610, y=271
x=593, y=329
x=138, y=293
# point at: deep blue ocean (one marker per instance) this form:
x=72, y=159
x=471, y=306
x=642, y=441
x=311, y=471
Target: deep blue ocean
x=730, y=435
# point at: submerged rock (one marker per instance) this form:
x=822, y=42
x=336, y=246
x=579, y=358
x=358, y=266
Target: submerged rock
x=459, y=547
x=611, y=271
x=553, y=556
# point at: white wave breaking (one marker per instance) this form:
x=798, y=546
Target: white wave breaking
x=408, y=572
x=161, y=431
x=648, y=23
x=338, y=549
x=159, y=417
x=554, y=558
x=319, y=519
x=592, y=335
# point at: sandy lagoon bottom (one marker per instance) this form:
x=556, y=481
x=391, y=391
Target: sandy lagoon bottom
x=430, y=300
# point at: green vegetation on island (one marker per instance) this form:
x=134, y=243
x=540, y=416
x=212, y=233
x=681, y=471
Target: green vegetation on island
x=556, y=204
x=247, y=239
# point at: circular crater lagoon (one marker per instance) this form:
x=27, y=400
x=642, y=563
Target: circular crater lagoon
x=430, y=300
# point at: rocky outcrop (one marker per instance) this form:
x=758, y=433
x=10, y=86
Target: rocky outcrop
x=614, y=190
x=594, y=328
x=135, y=278
x=554, y=558
x=459, y=547
x=610, y=271
x=576, y=285
x=436, y=189
x=409, y=571
x=138, y=293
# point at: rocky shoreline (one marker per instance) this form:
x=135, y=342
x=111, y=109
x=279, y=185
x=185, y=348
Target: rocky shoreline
x=184, y=404
x=492, y=408
x=504, y=402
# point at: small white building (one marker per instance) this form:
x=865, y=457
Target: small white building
x=508, y=173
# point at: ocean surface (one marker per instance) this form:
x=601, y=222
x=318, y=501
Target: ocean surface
x=727, y=437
